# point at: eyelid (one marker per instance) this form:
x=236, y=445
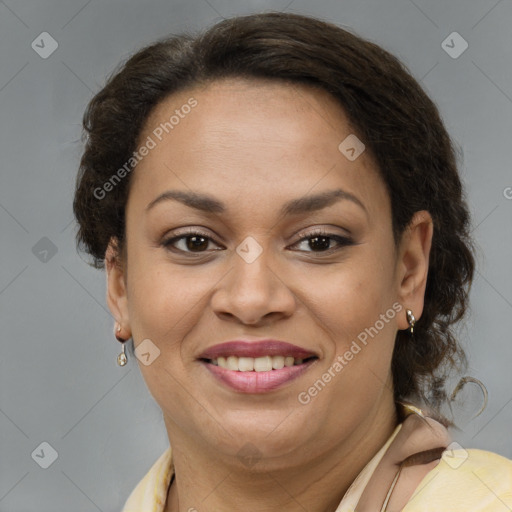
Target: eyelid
x=321, y=231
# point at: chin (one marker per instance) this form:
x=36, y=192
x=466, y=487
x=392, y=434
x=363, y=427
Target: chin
x=271, y=440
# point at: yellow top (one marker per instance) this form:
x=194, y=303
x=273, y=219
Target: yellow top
x=463, y=480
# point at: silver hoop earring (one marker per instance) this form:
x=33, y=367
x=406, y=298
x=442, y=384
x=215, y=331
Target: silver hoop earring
x=411, y=320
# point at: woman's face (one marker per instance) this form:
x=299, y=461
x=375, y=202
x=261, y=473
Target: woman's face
x=247, y=251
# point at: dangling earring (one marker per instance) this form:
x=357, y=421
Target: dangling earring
x=411, y=320
x=121, y=358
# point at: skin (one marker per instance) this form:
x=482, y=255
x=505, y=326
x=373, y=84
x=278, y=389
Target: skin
x=255, y=145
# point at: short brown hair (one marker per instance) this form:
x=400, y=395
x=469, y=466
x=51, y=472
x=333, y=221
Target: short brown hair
x=387, y=108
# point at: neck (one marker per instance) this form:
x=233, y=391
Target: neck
x=207, y=483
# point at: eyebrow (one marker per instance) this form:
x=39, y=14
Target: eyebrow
x=304, y=204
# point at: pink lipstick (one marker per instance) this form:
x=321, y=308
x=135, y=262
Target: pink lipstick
x=257, y=366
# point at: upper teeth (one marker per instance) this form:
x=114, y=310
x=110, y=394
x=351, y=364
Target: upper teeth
x=257, y=364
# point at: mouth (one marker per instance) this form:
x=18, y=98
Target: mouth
x=256, y=366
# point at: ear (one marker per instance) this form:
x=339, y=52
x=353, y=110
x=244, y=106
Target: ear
x=117, y=299
x=412, y=265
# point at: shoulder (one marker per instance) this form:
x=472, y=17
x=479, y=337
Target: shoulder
x=473, y=479
x=482, y=458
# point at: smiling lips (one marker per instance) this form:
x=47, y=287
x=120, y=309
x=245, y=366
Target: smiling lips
x=256, y=366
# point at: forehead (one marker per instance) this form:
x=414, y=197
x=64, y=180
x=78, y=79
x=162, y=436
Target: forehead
x=262, y=107
x=248, y=137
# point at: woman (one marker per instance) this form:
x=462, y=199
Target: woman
x=278, y=209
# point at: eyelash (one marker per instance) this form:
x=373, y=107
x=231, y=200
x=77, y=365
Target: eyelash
x=341, y=240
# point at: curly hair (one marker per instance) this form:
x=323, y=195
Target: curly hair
x=387, y=108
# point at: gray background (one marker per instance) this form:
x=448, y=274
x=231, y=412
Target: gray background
x=59, y=380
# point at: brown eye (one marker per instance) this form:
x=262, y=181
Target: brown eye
x=191, y=242
x=196, y=242
x=320, y=241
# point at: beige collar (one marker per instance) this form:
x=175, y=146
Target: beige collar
x=414, y=451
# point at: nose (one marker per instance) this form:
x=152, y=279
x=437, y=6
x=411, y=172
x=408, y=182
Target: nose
x=253, y=293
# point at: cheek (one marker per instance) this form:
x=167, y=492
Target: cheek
x=353, y=295
x=357, y=313
x=165, y=300
x=156, y=297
